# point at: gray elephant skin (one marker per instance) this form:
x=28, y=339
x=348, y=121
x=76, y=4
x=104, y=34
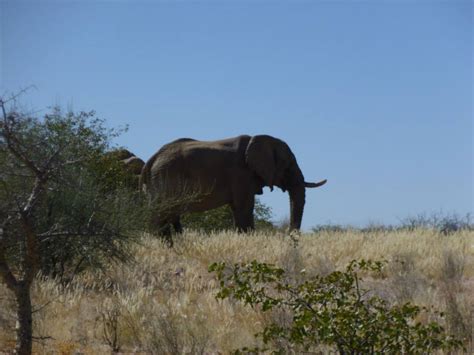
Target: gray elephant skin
x=131, y=164
x=229, y=171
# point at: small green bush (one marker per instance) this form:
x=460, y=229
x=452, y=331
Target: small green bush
x=332, y=311
x=221, y=219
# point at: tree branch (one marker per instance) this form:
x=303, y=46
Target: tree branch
x=44, y=305
x=71, y=234
x=35, y=193
x=12, y=141
x=15, y=96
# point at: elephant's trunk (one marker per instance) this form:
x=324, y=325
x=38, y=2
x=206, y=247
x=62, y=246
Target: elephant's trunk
x=297, y=200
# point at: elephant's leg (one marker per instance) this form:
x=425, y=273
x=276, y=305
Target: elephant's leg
x=165, y=233
x=178, y=228
x=163, y=228
x=242, y=208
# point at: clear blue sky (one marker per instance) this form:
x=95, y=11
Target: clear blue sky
x=375, y=96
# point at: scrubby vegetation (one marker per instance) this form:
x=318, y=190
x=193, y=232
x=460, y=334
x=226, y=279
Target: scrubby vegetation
x=164, y=301
x=59, y=212
x=221, y=219
x=445, y=223
x=332, y=310
x=80, y=273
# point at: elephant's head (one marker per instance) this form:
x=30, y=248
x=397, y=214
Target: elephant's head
x=132, y=165
x=119, y=154
x=275, y=164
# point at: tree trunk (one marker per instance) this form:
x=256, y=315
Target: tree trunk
x=24, y=326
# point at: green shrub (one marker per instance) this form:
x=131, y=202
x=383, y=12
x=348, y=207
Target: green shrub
x=221, y=219
x=85, y=214
x=58, y=214
x=332, y=311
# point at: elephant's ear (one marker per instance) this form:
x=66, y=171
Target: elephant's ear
x=260, y=157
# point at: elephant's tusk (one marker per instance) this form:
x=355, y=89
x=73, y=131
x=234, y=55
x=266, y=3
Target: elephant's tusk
x=315, y=184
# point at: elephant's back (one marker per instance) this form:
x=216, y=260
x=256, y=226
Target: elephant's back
x=191, y=158
x=160, y=158
x=169, y=153
x=173, y=146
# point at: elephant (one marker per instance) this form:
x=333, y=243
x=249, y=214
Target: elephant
x=228, y=171
x=132, y=164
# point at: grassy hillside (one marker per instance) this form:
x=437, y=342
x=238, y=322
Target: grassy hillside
x=164, y=301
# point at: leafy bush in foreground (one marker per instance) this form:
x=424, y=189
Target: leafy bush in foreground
x=332, y=310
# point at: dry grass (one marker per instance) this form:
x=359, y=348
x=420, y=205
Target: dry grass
x=164, y=302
